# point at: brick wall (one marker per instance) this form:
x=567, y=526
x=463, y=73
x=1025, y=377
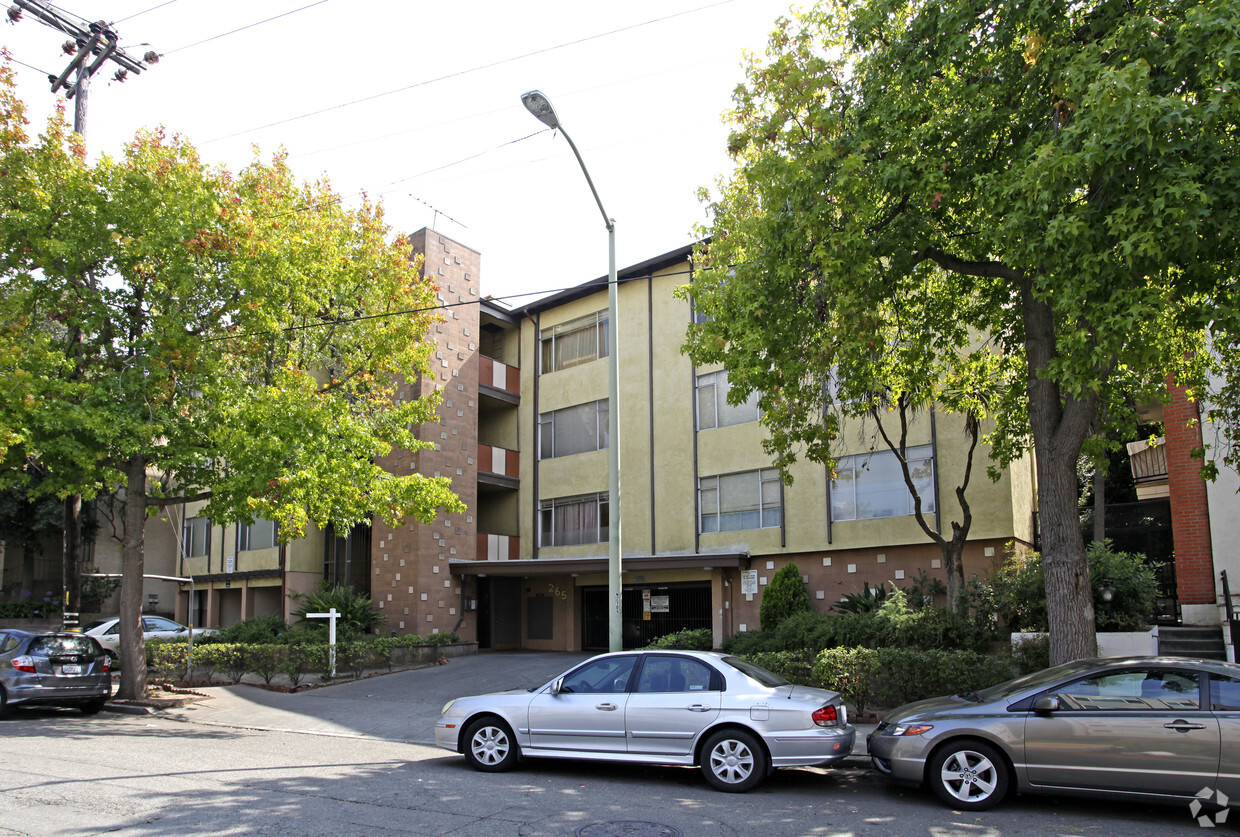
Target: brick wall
x=1190, y=517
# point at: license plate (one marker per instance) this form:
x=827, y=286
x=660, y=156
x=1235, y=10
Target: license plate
x=72, y=668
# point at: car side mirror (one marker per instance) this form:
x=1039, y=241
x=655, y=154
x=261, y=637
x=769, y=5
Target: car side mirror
x=557, y=686
x=1046, y=703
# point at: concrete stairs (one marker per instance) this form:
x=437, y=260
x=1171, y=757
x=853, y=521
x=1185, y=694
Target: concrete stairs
x=1204, y=643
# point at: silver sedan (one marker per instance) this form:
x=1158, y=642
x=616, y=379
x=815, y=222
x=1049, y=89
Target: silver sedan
x=736, y=720
x=1162, y=729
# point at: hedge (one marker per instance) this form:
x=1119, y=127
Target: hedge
x=889, y=677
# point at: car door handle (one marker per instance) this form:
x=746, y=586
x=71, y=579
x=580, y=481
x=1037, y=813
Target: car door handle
x=606, y=707
x=698, y=707
x=1183, y=726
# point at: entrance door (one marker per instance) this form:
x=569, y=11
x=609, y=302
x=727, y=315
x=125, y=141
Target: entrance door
x=675, y=606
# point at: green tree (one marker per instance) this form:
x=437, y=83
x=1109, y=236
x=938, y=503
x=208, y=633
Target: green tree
x=1046, y=190
x=784, y=596
x=176, y=332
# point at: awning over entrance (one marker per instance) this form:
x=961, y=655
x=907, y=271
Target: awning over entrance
x=641, y=563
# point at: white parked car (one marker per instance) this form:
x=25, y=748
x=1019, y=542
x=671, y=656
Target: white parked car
x=108, y=631
x=734, y=719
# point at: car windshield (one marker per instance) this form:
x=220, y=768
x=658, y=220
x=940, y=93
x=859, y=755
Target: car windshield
x=1029, y=681
x=50, y=646
x=756, y=672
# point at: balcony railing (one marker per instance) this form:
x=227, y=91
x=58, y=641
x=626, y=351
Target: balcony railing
x=492, y=373
x=497, y=547
x=500, y=461
x=1148, y=461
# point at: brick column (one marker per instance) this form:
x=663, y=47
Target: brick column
x=1190, y=516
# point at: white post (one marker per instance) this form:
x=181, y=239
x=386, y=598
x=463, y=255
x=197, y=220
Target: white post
x=331, y=615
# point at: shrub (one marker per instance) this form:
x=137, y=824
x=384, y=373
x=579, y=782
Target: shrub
x=167, y=659
x=1032, y=653
x=300, y=659
x=889, y=677
x=785, y=595
x=688, y=639
x=256, y=631
x=1020, y=591
x=869, y=600
x=794, y=666
x=358, y=612
x=266, y=660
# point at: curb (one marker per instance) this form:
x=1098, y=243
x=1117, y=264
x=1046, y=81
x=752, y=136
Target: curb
x=128, y=709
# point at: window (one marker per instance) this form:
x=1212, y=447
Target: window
x=607, y=676
x=1133, y=690
x=195, y=537
x=713, y=409
x=261, y=534
x=675, y=674
x=573, y=343
x=573, y=430
x=870, y=485
x=748, y=500
x=1224, y=694
x=574, y=520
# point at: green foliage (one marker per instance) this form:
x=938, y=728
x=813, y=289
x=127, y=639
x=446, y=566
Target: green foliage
x=235, y=334
x=1020, y=598
x=1025, y=214
x=266, y=660
x=890, y=677
x=784, y=596
x=794, y=666
x=358, y=612
x=254, y=631
x=29, y=606
x=1030, y=654
x=868, y=600
x=167, y=659
x=688, y=639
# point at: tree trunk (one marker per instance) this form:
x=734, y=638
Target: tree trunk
x=73, y=554
x=1059, y=426
x=133, y=646
x=953, y=568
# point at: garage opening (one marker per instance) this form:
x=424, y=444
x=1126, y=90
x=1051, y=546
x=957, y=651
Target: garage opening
x=649, y=612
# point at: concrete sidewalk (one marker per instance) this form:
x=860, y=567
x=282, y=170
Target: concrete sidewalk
x=402, y=706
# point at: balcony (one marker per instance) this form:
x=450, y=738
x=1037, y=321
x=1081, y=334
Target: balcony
x=498, y=466
x=499, y=380
x=1148, y=461
x=498, y=547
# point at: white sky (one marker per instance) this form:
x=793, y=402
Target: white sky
x=641, y=87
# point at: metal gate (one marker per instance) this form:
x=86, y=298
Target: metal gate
x=688, y=606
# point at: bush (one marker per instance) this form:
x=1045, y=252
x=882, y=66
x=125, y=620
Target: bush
x=1031, y=654
x=794, y=666
x=1020, y=591
x=890, y=677
x=259, y=630
x=301, y=659
x=688, y=639
x=358, y=612
x=266, y=660
x=785, y=595
x=167, y=660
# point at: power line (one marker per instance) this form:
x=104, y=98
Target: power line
x=460, y=73
x=243, y=28
x=144, y=11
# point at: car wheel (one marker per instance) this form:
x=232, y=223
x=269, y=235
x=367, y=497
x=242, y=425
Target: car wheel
x=93, y=707
x=733, y=760
x=490, y=746
x=969, y=775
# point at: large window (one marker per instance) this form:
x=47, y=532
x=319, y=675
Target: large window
x=574, y=520
x=713, y=408
x=261, y=534
x=573, y=343
x=195, y=537
x=871, y=485
x=748, y=500
x=573, y=430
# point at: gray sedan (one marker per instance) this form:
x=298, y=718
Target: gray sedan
x=1161, y=729
x=736, y=720
x=60, y=669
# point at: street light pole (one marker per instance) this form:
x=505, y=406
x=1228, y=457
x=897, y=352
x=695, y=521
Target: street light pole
x=538, y=104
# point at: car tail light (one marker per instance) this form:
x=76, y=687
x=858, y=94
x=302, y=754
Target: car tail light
x=827, y=716
x=107, y=663
x=25, y=664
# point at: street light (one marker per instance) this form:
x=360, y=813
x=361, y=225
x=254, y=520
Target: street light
x=538, y=104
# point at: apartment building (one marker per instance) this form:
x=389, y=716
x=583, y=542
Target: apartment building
x=523, y=434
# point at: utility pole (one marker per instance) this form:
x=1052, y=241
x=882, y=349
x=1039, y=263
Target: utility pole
x=91, y=45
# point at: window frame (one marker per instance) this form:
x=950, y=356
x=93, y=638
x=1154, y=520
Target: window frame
x=245, y=535
x=546, y=429
x=855, y=463
x=720, y=386
x=602, y=510
x=550, y=337
x=189, y=536
x=770, y=515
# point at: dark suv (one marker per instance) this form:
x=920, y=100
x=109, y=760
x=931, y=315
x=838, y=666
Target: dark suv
x=62, y=669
